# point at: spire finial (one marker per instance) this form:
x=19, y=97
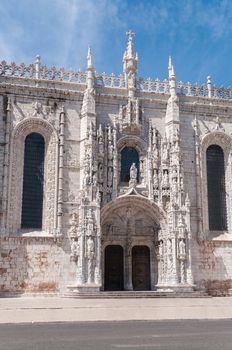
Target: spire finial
x=172, y=77
x=170, y=63
x=130, y=50
x=130, y=35
x=172, y=71
x=89, y=58
x=171, y=68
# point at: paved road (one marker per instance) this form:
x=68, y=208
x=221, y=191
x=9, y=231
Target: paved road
x=165, y=335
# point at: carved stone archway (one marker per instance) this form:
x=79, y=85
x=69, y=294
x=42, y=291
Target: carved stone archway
x=129, y=221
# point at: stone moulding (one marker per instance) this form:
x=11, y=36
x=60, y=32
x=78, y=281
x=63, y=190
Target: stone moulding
x=223, y=140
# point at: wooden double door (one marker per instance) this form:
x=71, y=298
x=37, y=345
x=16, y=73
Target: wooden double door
x=141, y=268
x=114, y=268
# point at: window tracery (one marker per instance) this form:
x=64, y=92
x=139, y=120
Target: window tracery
x=216, y=188
x=33, y=179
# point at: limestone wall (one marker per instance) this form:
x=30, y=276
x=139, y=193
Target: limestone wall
x=33, y=264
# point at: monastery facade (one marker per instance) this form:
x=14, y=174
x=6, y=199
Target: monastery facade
x=113, y=183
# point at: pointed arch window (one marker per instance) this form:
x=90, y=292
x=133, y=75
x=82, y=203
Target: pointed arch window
x=129, y=155
x=33, y=179
x=216, y=188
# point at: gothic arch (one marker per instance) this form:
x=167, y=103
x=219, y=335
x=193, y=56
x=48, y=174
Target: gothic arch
x=19, y=134
x=132, y=141
x=150, y=208
x=224, y=141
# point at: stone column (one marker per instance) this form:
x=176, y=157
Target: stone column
x=128, y=267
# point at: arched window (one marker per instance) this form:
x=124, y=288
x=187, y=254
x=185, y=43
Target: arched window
x=216, y=188
x=33, y=178
x=129, y=155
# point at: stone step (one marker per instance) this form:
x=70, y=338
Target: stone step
x=136, y=295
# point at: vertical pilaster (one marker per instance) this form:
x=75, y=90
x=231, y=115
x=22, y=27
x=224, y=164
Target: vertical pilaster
x=60, y=173
x=6, y=166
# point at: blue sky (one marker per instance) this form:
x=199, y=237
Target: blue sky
x=196, y=33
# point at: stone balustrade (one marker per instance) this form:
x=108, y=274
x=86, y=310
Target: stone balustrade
x=36, y=71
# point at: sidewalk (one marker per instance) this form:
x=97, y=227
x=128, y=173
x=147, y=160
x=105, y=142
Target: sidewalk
x=56, y=309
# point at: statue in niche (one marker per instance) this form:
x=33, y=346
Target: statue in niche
x=94, y=179
x=133, y=172
x=75, y=250
x=90, y=248
x=182, y=248
x=110, y=150
x=86, y=180
x=90, y=256
x=165, y=152
x=98, y=197
x=165, y=182
x=89, y=223
x=101, y=149
x=133, y=175
x=161, y=249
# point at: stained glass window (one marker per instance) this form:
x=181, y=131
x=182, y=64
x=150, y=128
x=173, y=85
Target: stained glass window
x=33, y=179
x=216, y=188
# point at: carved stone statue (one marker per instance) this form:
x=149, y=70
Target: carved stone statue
x=165, y=181
x=182, y=248
x=75, y=250
x=161, y=249
x=165, y=152
x=90, y=256
x=110, y=150
x=133, y=175
x=90, y=248
x=133, y=172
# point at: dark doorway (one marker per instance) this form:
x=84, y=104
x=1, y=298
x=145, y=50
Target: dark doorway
x=141, y=268
x=113, y=267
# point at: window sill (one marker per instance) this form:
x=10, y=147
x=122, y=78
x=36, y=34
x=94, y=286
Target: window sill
x=220, y=236
x=34, y=233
